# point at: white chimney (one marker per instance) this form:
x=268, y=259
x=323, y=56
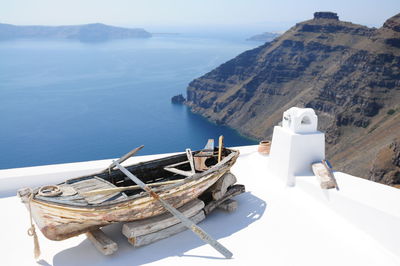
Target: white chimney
x=296, y=144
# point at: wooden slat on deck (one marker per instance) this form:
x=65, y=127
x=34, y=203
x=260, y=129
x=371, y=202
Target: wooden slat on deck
x=95, y=184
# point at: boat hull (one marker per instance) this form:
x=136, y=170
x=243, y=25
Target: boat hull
x=58, y=222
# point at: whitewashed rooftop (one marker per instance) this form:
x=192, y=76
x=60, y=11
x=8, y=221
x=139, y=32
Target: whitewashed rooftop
x=273, y=225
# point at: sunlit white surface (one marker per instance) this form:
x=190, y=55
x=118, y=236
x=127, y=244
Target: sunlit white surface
x=273, y=225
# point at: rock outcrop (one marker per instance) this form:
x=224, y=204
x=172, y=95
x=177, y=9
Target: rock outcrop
x=350, y=74
x=178, y=99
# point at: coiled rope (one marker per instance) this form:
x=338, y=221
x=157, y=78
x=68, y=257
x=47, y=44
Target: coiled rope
x=50, y=191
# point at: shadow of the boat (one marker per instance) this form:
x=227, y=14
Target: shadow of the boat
x=218, y=224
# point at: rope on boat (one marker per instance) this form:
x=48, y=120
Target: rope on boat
x=50, y=191
x=32, y=231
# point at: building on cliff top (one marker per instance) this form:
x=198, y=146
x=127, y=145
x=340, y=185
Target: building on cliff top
x=326, y=15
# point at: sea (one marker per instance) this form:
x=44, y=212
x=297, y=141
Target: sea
x=68, y=101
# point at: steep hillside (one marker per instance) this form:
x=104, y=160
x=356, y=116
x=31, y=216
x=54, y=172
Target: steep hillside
x=350, y=74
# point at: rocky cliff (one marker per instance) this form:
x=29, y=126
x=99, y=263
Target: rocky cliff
x=95, y=32
x=350, y=74
x=386, y=167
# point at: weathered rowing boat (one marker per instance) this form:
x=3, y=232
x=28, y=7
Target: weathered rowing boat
x=73, y=207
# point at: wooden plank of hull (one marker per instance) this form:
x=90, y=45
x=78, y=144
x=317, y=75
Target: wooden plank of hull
x=59, y=223
x=159, y=222
x=167, y=232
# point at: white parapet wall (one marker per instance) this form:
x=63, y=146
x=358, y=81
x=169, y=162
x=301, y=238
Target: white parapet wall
x=273, y=225
x=296, y=145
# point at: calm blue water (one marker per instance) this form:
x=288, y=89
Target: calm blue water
x=66, y=101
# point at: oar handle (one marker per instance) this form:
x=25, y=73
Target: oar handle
x=196, y=229
x=212, y=242
x=185, y=221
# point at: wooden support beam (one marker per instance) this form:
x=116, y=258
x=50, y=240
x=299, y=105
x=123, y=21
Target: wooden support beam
x=143, y=240
x=177, y=164
x=102, y=242
x=220, y=145
x=190, y=159
x=220, y=187
x=178, y=171
x=229, y=205
x=160, y=222
x=232, y=191
x=324, y=175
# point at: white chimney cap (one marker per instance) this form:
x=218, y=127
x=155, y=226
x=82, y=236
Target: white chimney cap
x=300, y=120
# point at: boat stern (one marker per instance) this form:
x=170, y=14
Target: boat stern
x=24, y=194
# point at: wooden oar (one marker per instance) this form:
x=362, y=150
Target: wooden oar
x=124, y=158
x=120, y=160
x=120, y=189
x=185, y=221
x=220, y=144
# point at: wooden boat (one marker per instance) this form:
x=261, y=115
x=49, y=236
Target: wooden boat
x=72, y=211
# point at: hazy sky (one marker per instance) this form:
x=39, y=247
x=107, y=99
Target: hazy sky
x=203, y=13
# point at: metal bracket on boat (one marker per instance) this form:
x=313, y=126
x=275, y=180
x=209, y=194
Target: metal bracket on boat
x=50, y=191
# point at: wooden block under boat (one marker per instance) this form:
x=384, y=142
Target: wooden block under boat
x=229, y=205
x=232, y=191
x=160, y=222
x=219, y=189
x=164, y=233
x=102, y=242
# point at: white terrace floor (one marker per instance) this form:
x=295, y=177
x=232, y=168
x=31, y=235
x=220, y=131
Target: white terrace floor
x=274, y=224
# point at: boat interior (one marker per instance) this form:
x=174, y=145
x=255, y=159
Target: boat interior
x=74, y=192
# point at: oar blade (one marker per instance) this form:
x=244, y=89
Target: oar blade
x=125, y=157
